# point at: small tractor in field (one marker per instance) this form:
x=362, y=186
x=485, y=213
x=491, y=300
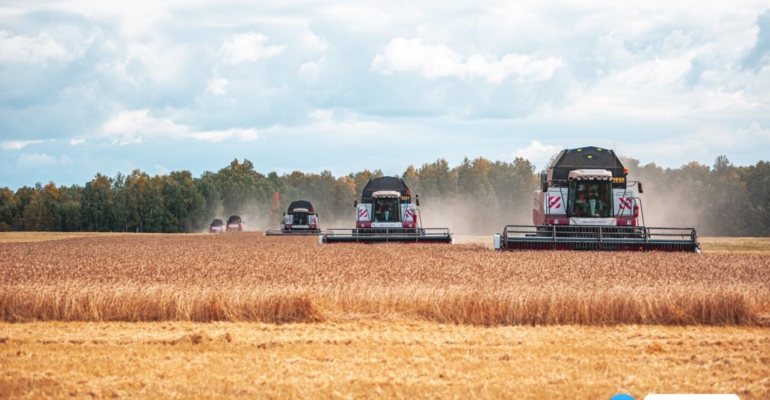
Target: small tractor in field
x=300, y=219
x=585, y=203
x=386, y=214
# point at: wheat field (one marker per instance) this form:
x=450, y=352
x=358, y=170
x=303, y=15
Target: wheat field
x=250, y=278
x=242, y=315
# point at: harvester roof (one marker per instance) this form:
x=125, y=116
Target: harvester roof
x=300, y=204
x=385, y=183
x=588, y=158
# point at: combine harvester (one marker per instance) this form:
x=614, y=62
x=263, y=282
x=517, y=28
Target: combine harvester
x=386, y=215
x=585, y=203
x=299, y=220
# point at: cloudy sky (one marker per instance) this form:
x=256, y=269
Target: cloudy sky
x=100, y=86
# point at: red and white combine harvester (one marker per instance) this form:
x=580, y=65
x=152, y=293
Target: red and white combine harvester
x=585, y=203
x=301, y=219
x=386, y=214
x=216, y=226
x=234, y=224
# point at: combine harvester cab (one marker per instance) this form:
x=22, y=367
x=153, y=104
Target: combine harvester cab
x=585, y=203
x=299, y=220
x=385, y=215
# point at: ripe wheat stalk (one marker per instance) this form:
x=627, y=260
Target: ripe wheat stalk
x=248, y=277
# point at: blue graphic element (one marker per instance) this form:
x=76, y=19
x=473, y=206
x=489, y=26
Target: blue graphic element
x=622, y=396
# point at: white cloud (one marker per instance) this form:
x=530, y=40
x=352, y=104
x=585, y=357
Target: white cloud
x=217, y=84
x=128, y=127
x=64, y=160
x=436, y=61
x=321, y=115
x=347, y=126
x=704, y=143
x=655, y=76
x=244, y=135
x=161, y=169
x=249, y=46
x=742, y=139
x=33, y=50
x=685, y=74
x=36, y=160
x=161, y=61
x=308, y=70
x=19, y=144
x=538, y=153
x=721, y=100
x=313, y=42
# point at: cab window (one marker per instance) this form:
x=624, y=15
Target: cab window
x=387, y=210
x=591, y=199
x=300, y=218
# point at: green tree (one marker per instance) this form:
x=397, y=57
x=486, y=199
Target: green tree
x=477, y=195
x=437, y=180
x=209, y=190
x=237, y=185
x=97, y=204
x=7, y=209
x=184, y=205
x=730, y=211
x=513, y=184
x=757, y=178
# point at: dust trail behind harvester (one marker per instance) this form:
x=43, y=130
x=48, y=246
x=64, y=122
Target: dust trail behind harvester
x=465, y=217
x=665, y=204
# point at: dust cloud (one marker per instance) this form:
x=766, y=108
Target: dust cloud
x=461, y=217
x=661, y=206
x=251, y=218
x=260, y=218
x=666, y=207
x=464, y=217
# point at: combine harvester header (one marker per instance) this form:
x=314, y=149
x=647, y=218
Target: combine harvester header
x=386, y=214
x=585, y=203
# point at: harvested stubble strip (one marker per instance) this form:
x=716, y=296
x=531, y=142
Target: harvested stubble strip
x=156, y=303
x=573, y=306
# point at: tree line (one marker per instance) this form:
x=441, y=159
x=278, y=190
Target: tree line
x=477, y=196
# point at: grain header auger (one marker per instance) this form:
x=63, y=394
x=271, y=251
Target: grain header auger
x=300, y=220
x=585, y=203
x=386, y=215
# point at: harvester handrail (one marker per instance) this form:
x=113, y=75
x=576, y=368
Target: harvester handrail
x=641, y=208
x=419, y=216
